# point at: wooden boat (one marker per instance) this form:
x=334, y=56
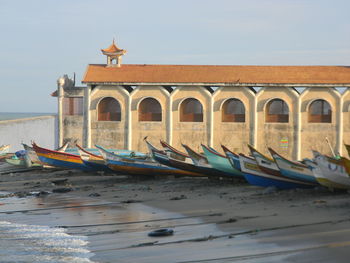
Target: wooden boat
x=60, y=159
x=202, y=161
x=332, y=173
x=171, y=157
x=293, y=170
x=220, y=162
x=16, y=161
x=265, y=163
x=93, y=160
x=137, y=165
x=172, y=152
x=255, y=176
x=4, y=149
x=31, y=158
x=233, y=158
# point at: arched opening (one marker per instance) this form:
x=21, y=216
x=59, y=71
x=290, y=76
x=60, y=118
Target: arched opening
x=233, y=110
x=150, y=110
x=109, y=110
x=320, y=112
x=191, y=110
x=277, y=111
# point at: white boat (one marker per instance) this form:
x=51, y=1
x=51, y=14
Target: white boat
x=331, y=172
x=4, y=149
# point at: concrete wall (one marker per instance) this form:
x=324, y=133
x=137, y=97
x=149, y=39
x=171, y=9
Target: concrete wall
x=294, y=139
x=154, y=130
x=72, y=130
x=313, y=135
x=42, y=130
x=234, y=135
x=110, y=134
x=190, y=133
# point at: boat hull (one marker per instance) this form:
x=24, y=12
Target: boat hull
x=195, y=170
x=255, y=176
x=60, y=159
x=221, y=163
x=293, y=170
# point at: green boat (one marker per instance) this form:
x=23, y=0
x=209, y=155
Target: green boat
x=15, y=161
x=220, y=162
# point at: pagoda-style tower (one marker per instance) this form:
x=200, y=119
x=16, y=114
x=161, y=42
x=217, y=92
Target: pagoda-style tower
x=113, y=54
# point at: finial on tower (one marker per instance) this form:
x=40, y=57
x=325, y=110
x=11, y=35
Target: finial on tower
x=113, y=54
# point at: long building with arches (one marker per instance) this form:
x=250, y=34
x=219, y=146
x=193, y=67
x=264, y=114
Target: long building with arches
x=291, y=109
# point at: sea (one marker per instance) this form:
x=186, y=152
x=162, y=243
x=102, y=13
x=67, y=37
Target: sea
x=20, y=115
x=38, y=243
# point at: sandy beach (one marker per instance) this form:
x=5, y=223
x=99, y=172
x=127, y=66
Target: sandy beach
x=213, y=220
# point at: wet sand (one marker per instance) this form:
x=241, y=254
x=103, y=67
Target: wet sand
x=214, y=221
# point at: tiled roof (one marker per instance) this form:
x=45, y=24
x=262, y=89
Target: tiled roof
x=113, y=49
x=132, y=73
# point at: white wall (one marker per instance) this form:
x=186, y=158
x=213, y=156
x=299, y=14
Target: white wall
x=42, y=130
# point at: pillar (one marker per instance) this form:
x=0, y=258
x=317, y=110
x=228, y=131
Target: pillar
x=129, y=123
x=87, y=117
x=60, y=96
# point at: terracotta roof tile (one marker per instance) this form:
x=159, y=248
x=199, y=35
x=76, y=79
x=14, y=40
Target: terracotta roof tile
x=113, y=49
x=132, y=73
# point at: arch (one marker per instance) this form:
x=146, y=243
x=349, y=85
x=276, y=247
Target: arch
x=150, y=110
x=191, y=110
x=277, y=110
x=320, y=111
x=233, y=110
x=108, y=109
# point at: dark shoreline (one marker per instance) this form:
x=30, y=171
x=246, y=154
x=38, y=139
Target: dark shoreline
x=209, y=217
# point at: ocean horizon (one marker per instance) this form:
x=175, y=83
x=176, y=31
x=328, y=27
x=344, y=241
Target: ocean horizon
x=21, y=115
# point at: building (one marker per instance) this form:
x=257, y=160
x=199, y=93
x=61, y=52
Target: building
x=291, y=109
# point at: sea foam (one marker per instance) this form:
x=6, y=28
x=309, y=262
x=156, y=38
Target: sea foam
x=34, y=243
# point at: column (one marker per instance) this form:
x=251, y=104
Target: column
x=129, y=123
x=297, y=149
x=169, y=125
x=340, y=126
x=87, y=117
x=211, y=121
x=60, y=96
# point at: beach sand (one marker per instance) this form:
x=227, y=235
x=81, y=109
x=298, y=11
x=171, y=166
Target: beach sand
x=213, y=220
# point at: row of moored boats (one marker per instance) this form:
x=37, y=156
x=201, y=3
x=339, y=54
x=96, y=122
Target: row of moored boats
x=257, y=169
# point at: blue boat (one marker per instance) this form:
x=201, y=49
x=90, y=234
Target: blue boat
x=220, y=162
x=137, y=165
x=60, y=159
x=93, y=160
x=293, y=170
x=255, y=176
x=174, y=158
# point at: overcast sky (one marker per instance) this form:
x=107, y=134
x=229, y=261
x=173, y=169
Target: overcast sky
x=43, y=39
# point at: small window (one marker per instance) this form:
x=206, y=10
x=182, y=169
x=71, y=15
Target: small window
x=277, y=111
x=233, y=110
x=150, y=110
x=109, y=110
x=320, y=112
x=73, y=106
x=191, y=110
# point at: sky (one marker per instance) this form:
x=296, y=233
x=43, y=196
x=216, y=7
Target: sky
x=42, y=40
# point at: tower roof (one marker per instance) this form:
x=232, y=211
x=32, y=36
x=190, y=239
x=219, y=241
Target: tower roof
x=113, y=49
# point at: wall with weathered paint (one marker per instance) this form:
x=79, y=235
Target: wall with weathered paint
x=42, y=130
x=233, y=135
x=73, y=129
x=190, y=133
x=154, y=130
x=275, y=135
x=313, y=135
x=110, y=134
x=282, y=137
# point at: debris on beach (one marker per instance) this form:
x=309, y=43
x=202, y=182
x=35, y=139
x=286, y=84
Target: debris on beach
x=62, y=190
x=179, y=197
